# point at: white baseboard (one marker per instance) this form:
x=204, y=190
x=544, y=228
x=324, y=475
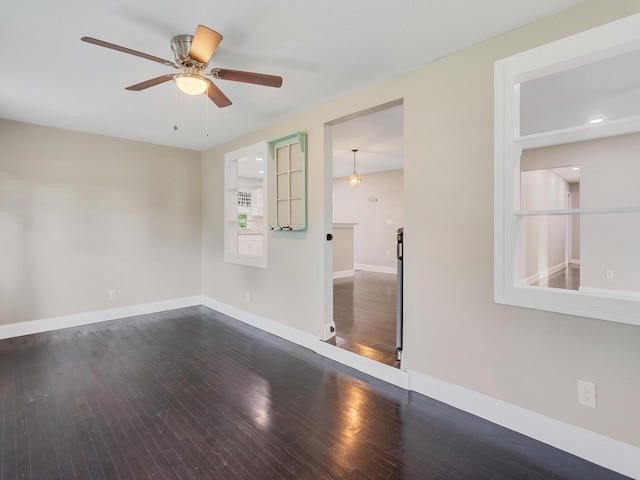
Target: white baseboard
x=276, y=328
x=601, y=450
x=574, y=261
x=386, y=373
x=56, y=323
x=394, y=376
x=536, y=277
x=604, y=451
x=343, y=274
x=376, y=268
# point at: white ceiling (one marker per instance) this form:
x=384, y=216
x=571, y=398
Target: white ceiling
x=323, y=50
x=378, y=137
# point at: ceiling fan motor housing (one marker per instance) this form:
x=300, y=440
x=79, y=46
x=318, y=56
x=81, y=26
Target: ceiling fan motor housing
x=181, y=44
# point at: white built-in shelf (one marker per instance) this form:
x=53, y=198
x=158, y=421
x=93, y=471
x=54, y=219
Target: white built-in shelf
x=577, y=211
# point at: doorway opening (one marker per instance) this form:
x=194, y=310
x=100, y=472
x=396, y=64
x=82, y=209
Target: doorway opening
x=365, y=224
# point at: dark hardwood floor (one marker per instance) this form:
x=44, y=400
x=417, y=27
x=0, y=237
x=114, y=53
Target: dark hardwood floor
x=364, y=311
x=191, y=393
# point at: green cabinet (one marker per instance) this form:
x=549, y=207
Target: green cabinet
x=289, y=156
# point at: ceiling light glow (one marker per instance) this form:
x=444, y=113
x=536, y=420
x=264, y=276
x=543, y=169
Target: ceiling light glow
x=596, y=120
x=191, y=84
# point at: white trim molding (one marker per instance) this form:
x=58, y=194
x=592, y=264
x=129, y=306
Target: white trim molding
x=536, y=277
x=604, y=451
x=344, y=274
x=376, y=268
x=78, y=319
x=394, y=376
x=607, y=292
x=605, y=41
x=278, y=329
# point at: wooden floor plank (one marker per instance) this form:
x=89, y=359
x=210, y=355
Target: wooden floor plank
x=193, y=394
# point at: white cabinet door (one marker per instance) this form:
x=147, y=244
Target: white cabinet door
x=250, y=244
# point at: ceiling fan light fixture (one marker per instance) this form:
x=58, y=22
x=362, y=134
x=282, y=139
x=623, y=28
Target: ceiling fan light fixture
x=191, y=84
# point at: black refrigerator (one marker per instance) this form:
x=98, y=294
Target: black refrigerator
x=399, y=319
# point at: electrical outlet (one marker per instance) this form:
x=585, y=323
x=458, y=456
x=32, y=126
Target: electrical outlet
x=587, y=394
x=113, y=294
x=247, y=297
x=609, y=274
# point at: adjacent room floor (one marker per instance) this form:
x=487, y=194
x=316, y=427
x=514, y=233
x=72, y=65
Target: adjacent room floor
x=364, y=311
x=191, y=393
x=568, y=278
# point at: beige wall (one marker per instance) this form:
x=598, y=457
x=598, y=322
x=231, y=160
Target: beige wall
x=292, y=289
x=343, y=249
x=454, y=331
x=374, y=238
x=82, y=214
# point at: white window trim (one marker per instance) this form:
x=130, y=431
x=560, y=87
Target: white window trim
x=614, y=38
x=230, y=205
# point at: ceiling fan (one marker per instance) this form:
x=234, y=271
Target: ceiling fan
x=192, y=55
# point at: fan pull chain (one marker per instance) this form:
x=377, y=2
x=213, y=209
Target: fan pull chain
x=175, y=107
x=206, y=101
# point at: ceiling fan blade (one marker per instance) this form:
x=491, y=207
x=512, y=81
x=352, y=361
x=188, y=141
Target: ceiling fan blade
x=204, y=43
x=113, y=46
x=150, y=83
x=247, y=77
x=216, y=95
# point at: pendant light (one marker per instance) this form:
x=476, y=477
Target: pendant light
x=354, y=179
